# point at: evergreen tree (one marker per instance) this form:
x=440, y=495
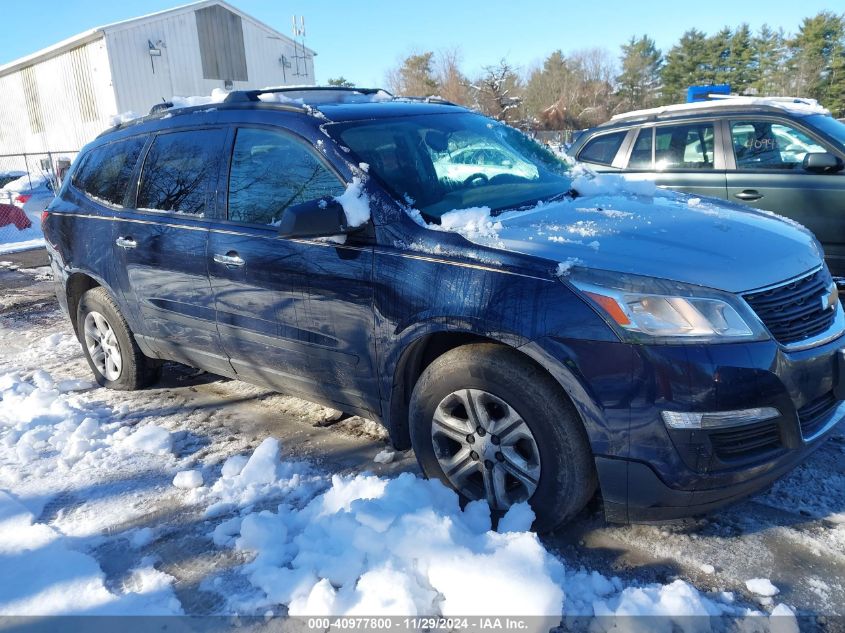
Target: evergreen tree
x=817, y=64
x=742, y=69
x=414, y=77
x=340, y=82
x=686, y=65
x=639, y=82
x=770, y=61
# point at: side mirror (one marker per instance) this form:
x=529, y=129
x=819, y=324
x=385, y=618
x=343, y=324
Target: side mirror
x=822, y=163
x=323, y=217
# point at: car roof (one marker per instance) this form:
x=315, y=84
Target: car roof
x=790, y=106
x=328, y=103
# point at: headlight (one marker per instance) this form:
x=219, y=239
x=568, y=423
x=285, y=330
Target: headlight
x=654, y=310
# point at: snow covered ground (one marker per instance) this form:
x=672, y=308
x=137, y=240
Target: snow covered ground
x=208, y=496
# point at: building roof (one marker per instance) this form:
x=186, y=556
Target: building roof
x=99, y=31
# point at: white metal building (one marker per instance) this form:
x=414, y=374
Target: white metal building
x=59, y=98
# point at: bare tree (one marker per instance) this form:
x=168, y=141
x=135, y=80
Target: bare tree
x=498, y=92
x=454, y=86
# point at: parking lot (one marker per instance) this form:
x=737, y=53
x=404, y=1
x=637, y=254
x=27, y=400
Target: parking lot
x=143, y=531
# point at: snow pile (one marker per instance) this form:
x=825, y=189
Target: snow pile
x=217, y=95
x=475, y=224
x=123, y=117
x=563, y=268
x=401, y=546
x=588, y=183
x=368, y=545
x=355, y=203
x=25, y=183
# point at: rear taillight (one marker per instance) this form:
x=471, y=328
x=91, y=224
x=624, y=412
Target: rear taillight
x=22, y=198
x=44, y=215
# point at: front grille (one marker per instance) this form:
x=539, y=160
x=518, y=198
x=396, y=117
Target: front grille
x=813, y=414
x=746, y=441
x=796, y=310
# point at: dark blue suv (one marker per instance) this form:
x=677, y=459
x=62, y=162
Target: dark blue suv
x=531, y=336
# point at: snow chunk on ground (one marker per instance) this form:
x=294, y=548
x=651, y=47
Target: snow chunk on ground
x=245, y=481
x=762, y=587
x=385, y=456
x=355, y=203
x=188, y=479
x=518, y=518
x=150, y=439
x=783, y=620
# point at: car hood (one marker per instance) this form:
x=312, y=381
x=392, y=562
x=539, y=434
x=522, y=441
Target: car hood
x=700, y=241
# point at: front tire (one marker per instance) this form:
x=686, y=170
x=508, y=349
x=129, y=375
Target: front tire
x=109, y=345
x=489, y=423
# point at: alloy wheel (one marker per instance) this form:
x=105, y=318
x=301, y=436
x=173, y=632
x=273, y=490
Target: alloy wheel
x=102, y=345
x=485, y=448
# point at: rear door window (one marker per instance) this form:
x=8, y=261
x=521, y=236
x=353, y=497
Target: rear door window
x=689, y=146
x=105, y=171
x=602, y=149
x=180, y=173
x=771, y=145
x=272, y=171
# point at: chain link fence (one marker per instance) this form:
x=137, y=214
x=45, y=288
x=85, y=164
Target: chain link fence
x=27, y=183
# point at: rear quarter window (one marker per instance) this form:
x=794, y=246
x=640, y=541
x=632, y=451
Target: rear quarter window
x=105, y=171
x=602, y=149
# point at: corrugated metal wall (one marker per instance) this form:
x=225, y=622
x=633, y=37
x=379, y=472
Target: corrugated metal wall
x=141, y=81
x=57, y=104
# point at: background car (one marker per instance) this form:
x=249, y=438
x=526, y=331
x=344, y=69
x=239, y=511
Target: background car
x=8, y=176
x=780, y=155
x=31, y=192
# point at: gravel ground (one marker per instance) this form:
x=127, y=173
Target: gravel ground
x=794, y=534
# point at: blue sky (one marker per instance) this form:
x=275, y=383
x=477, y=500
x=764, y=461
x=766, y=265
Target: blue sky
x=362, y=39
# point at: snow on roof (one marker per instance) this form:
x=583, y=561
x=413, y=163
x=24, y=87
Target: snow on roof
x=98, y=31
x=798, y=105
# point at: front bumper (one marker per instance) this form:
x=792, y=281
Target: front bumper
x=650, y=473
x=633, y=492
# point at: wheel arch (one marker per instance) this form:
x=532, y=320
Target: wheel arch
x=76, y=285
x=423, y=349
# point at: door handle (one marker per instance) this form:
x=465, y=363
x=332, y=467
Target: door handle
x=126, y=242
x=748, y=194
x=231, y=259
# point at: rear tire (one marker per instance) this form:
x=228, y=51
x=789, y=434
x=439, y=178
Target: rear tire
x=109, y=345
x=528, y=443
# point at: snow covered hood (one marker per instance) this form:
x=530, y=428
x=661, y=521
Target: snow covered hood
x=667, y=235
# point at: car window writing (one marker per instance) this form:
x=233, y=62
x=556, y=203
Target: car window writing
x=271, y=172
x=602, y=149
x=105, y=170
x=180, y=172
x=770, y=145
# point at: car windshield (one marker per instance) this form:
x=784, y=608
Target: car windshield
x=828, y=125
x=442, y=162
